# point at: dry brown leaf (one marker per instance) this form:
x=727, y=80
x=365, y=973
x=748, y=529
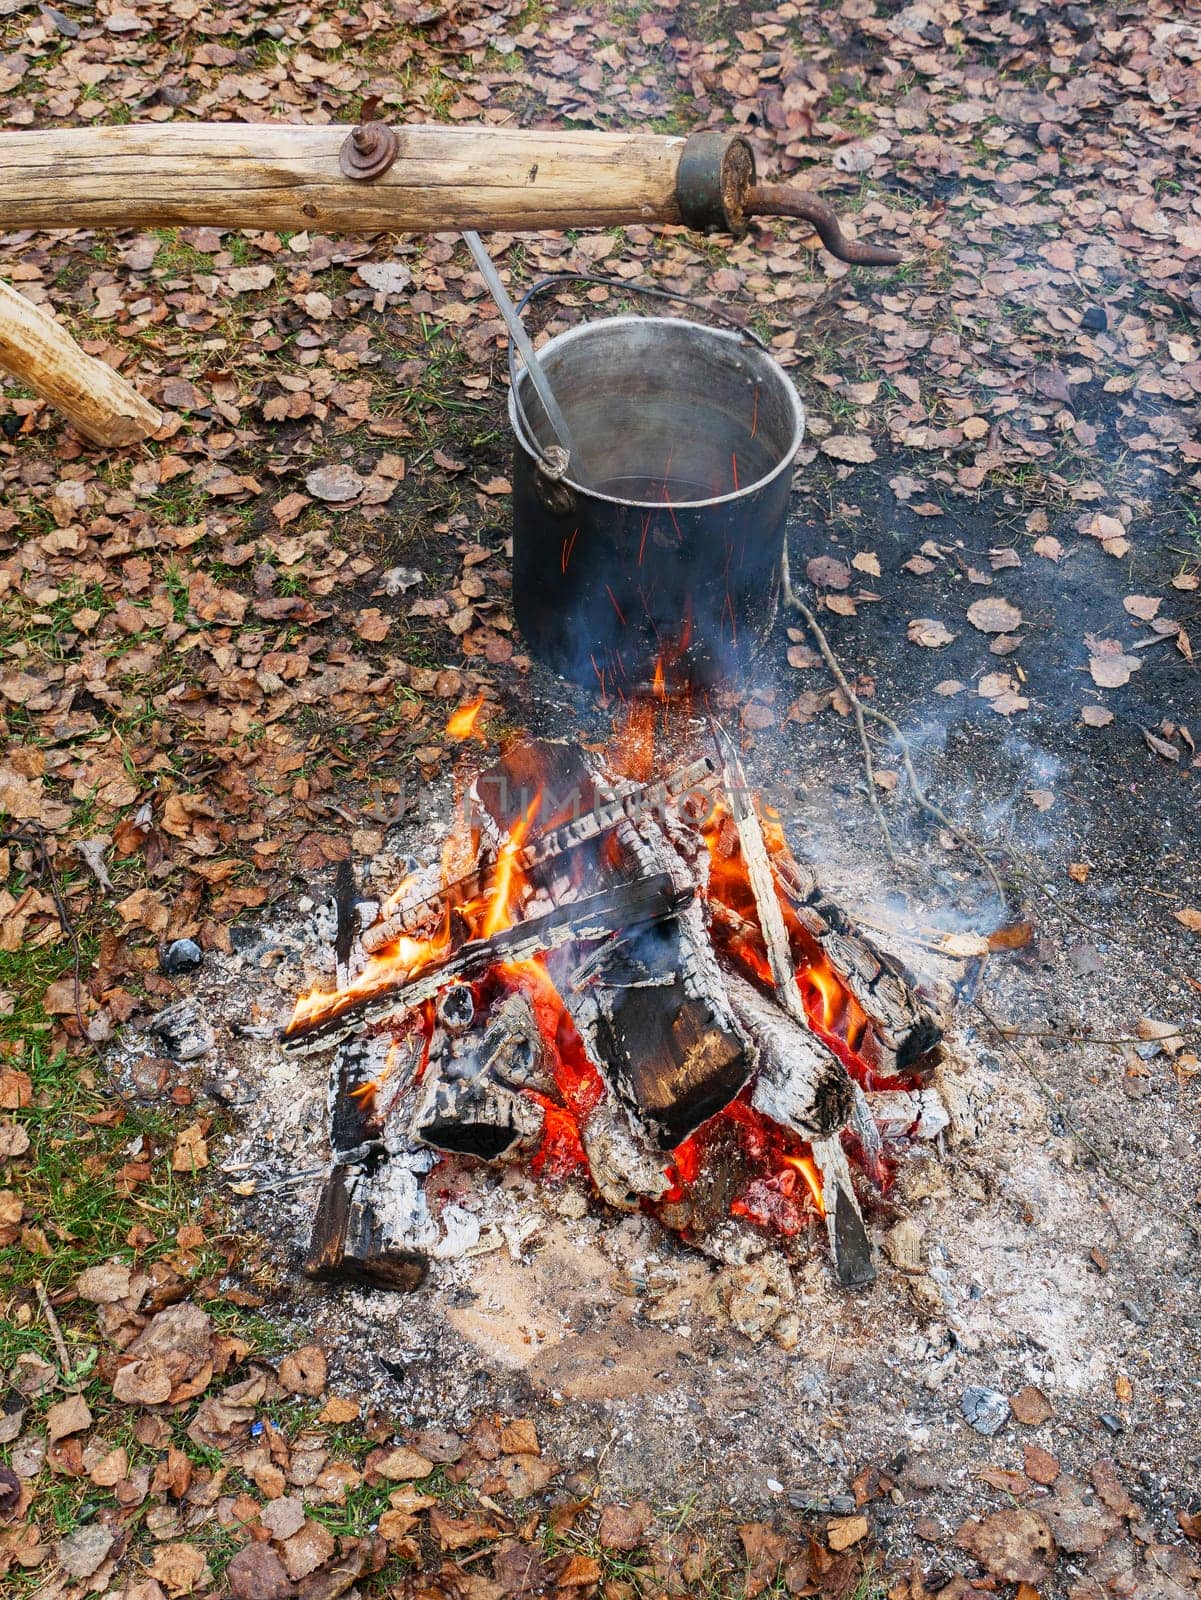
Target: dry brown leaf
x=1030, y=1406
x=1112, y=671
x=1014, y=1545
x=624, y=1527
x=929, y=632
x=1096, y=716
x=1142, y=606
x=191, y=1151
x=828, y=572
x=68, y=1416
x=843, y=1532
x=994, y=615
x=336, y=485
x=1189, y=917
x=848, y=447
x=304, y=1371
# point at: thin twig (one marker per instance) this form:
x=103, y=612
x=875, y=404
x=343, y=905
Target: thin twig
x=861, y=711
x=1104, y=1159
x=857, y=707
x=56, y=1333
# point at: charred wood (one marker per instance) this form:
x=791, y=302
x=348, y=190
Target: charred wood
x=592, y=819
x=653, y=1012
x=625, y=1168
x=597, y=916
x=850, y=1245
x=348, y=1242
x=801, y=1083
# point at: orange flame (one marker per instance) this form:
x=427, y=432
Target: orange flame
x=462, y=722
x=808, y=1169
x=509, y=881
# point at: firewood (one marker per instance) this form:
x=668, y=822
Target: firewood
x=625, y=1168
x=884, y=989
x=39, y=352
x=471, y=1101
x=757, y=861
x=595, y=917
x=801, y=1083
x=850, y=1245
x=653, y=1011
x=594, y=819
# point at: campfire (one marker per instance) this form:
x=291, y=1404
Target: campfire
x=627, y=977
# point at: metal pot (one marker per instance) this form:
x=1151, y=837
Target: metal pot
x=664, y=571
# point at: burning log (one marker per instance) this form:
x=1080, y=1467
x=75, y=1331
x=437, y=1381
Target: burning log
x=622, y=1164
x=471, y=1100
x=627, y=906
x=653, y=1010
x=801, y=1083
x=880, y=984
x=627, y=801
x=694, y=1079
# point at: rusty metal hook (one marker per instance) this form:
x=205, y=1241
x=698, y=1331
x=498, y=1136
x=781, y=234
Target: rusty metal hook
x=780, y=200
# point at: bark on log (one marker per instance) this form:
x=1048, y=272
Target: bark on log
x=801, y=1083
x=275, y=175
x=40, y=353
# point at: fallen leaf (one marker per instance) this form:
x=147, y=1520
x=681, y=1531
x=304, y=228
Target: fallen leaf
x=1030, y=1406
x=1040, y=799
x=994, y=615
x=1142, y=606
x=929, y=632
x=181, y=1569
x=335, y=485
x=85, y=1550
x=1161, y=747
x=1039, y=1465
x=191, y=1151
x=842, y=1532
x=1079, y=1524
x=456, y=1533
x=1112, y=671
x=1189, y=918
x=1096, y=716
x=848, y=447
x=257, y=1573
x=827, y=572
x=624, y=1527
x=304, y=1371
x=866, y=561
x=68, y=1416
x=401, y=1463
x=1016, y=1546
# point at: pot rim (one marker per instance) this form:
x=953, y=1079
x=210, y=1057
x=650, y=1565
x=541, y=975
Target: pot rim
x=753, y=351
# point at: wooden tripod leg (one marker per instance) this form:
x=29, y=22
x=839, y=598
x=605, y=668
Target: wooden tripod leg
x=40, y=353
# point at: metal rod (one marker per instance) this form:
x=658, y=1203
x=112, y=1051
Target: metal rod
x=527, y=352
x=780, y=200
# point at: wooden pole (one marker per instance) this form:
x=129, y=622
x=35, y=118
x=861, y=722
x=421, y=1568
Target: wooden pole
x=282, y=176
x=39, y=352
